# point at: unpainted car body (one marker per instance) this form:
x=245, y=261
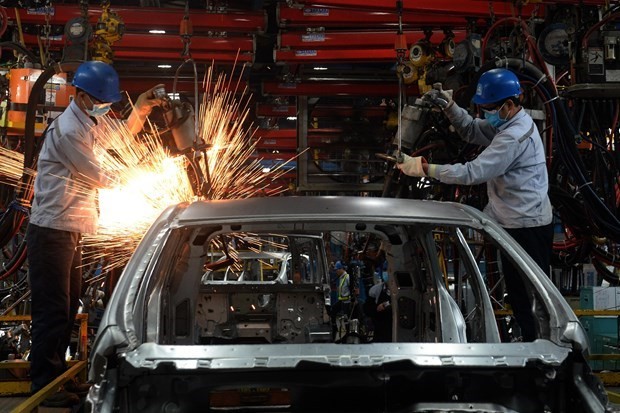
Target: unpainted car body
x=169, y=341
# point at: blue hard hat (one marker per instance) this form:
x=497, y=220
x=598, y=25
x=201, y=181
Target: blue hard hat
x=495, y=86
x=99, y=80
x=338, y=265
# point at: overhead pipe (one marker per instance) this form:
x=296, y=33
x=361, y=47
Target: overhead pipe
x=462, y=8
x=354, y=39
x=199, y=56
x=167, y=42
x=316, y=55
x=145, y=18
x=288, y=17
x=353, y=88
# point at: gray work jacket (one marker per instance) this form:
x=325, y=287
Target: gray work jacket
x=512, y=164
x=68, y=175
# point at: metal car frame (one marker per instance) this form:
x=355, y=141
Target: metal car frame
x=447, y=354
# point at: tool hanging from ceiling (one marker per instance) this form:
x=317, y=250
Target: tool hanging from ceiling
x=109, y=29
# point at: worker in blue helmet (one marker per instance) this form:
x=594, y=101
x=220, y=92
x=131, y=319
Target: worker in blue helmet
x=513, y=167
x=64, y=207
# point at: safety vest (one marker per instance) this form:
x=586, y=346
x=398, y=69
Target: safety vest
x=344, y=295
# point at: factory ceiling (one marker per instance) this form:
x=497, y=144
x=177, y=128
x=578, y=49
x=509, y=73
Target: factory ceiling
x=321, y=46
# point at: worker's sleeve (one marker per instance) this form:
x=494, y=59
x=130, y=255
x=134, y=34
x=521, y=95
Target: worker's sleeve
x=143, y=107
x=135, y=121
x=470, y=129
x=76, y=153
x=491, y=163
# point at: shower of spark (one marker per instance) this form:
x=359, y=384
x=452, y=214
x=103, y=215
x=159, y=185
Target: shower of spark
x=150, y=179
x=11, y=166
x=221, y=120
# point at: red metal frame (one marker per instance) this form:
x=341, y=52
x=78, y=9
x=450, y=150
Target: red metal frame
x=228, y=44
x=335, y=18
x=335, y=89
x=264, y=109
x=316, y=55
x=361, y=39
x=461, y=7
x=156, y=43
x=280, y=139
x=134, y=85
x=269, y=155
x=145, y=18
x=198, y=56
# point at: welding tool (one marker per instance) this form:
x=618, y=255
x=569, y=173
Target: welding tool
x=180, y=121
x=179, y=117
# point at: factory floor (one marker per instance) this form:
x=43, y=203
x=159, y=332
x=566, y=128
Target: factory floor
x=10, y=404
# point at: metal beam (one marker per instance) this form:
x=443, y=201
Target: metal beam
x=157, y=42
x=141, y=83
x=355, y=39
x=198, y=56
x=380, y=89
x=146, y=18
x=462, y=7
x=336, y=18
x=334, y=55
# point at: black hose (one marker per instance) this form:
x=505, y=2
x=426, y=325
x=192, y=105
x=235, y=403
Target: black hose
x=30, y=149
x=21, y=49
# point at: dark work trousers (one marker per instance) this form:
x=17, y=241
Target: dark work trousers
x=54, y=260
x=538, y=243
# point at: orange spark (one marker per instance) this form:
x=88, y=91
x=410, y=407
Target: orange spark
x=150, y=179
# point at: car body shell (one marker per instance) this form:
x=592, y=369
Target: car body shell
x=157, y=331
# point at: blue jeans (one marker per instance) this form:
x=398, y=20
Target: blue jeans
x=54, y=260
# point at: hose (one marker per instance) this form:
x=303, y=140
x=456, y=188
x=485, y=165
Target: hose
x=21, y=49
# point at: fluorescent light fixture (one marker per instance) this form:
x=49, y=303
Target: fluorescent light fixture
x=164, y=66
x=291, y=118
x=157, y=31
x=320, y=68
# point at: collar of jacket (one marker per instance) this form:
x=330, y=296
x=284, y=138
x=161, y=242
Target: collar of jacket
x=86, y=120
x=521, y=113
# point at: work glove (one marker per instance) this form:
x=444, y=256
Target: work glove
x=412, y=166
x=148, y=100
x=439, y=97
x=143, y=107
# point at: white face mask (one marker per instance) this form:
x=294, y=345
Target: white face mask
x=98, y=110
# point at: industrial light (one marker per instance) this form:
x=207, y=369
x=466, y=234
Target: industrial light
x=157, y=31
x=164, y=66
x=320, y=68
x=291, y=118
x=266, y=170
